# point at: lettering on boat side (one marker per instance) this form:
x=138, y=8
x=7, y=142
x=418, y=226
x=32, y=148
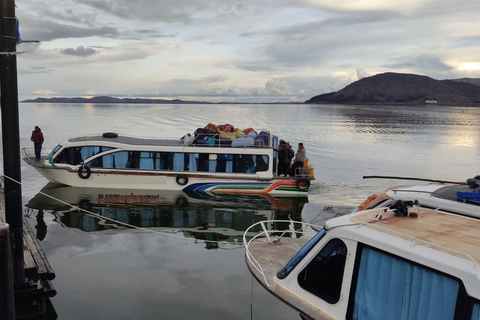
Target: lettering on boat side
x=127, y=198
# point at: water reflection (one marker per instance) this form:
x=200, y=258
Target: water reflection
x=217, y=220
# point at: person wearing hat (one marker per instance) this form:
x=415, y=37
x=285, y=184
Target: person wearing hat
x=37, y=138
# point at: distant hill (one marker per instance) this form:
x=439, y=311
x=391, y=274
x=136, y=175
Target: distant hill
x=400, y=88
x=106, y=99
x=469, y=80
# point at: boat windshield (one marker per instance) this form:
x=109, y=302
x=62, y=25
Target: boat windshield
x=300, y=255
x=50, y=156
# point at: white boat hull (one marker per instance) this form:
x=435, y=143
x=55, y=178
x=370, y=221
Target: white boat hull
x=156, y=180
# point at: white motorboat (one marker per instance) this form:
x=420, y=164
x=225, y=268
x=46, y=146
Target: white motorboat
x=211, y=163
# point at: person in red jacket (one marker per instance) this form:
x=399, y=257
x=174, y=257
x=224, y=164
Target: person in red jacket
x=37, y=138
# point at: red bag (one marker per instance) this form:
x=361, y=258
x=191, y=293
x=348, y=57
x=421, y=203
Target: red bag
x=226, y=128
x=248, y=130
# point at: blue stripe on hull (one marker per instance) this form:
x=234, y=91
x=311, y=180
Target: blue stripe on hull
x=205, y=186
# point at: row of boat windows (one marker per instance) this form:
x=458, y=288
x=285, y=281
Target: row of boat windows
x=176, y=161
x=386, y=286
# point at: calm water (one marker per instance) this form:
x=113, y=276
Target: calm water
x=107, y=272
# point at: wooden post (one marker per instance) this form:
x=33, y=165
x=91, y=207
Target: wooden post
x=7, y=303
x=11, y=138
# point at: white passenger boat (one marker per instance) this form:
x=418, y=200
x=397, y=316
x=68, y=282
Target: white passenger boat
x=460, y=197
x=374, y=264
x=219, y=165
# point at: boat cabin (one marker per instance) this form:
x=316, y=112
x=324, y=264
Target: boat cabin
x=374, y=264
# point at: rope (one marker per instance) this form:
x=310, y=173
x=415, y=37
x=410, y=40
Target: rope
x=95, y=215
x=258, y=306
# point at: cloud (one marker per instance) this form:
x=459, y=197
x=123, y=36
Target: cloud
x=34, y=70
x=276, y=87
x=217, y=48
x=44, y=92
x=362, y=74
x=35, y=28
x=79, y=52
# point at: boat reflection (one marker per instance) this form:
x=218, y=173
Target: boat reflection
x=218, y=220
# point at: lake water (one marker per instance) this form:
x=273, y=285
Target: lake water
x=104, y=271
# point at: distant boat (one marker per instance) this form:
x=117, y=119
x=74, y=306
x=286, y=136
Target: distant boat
x=431, y=101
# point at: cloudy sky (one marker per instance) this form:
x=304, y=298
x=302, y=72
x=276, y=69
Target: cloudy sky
x=238, y=50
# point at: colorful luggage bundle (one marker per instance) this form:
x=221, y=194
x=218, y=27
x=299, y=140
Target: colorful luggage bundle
x=228, y=135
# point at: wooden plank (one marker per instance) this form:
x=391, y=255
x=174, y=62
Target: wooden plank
x=30, y=246
x=45, y=271
x=29, y=265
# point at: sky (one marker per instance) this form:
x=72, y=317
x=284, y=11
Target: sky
x=238, y=51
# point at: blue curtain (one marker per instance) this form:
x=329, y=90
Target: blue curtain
x=192, y=163
x=476, y=312
x=108, y=161
x=229, y=164
x=146, y=162
x=177, y=218
x=89, y=223
x=121, y=159
x=178, y=161
x=252, y=168
x=87, y=152
x=122, y=216
x=158, y=163
x=390, y=288
x=146, y=217
x=212, y=165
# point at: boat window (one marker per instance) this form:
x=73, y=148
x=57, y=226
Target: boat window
x=177, y=161
x=88, y=151
x=323, y=276
x=388, y=287
x=71, y=156
x=282, y=274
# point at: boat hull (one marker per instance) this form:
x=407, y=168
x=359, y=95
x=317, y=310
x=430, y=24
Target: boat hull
x=173, y=181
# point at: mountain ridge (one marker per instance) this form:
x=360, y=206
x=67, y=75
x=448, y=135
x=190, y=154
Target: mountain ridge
x=108, y=99
x=402, y=88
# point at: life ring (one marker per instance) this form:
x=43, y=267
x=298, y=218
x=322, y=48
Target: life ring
x=86, y=174
x=303, y=183
x=110, y=135
x=182, y=180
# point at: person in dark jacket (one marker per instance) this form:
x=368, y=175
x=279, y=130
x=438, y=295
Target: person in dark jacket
x=37, y=138
x=285, y=155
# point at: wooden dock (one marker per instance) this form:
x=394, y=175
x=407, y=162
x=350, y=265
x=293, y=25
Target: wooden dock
x=32, y=298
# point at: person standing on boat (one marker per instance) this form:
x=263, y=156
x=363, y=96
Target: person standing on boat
x=283, y=158
x=300, y=157
x=37, y=138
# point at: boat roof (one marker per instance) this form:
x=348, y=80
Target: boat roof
x=442, y=191
x=128, y=140
x=455, y=198
x=143, y=141
x=448, y=233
